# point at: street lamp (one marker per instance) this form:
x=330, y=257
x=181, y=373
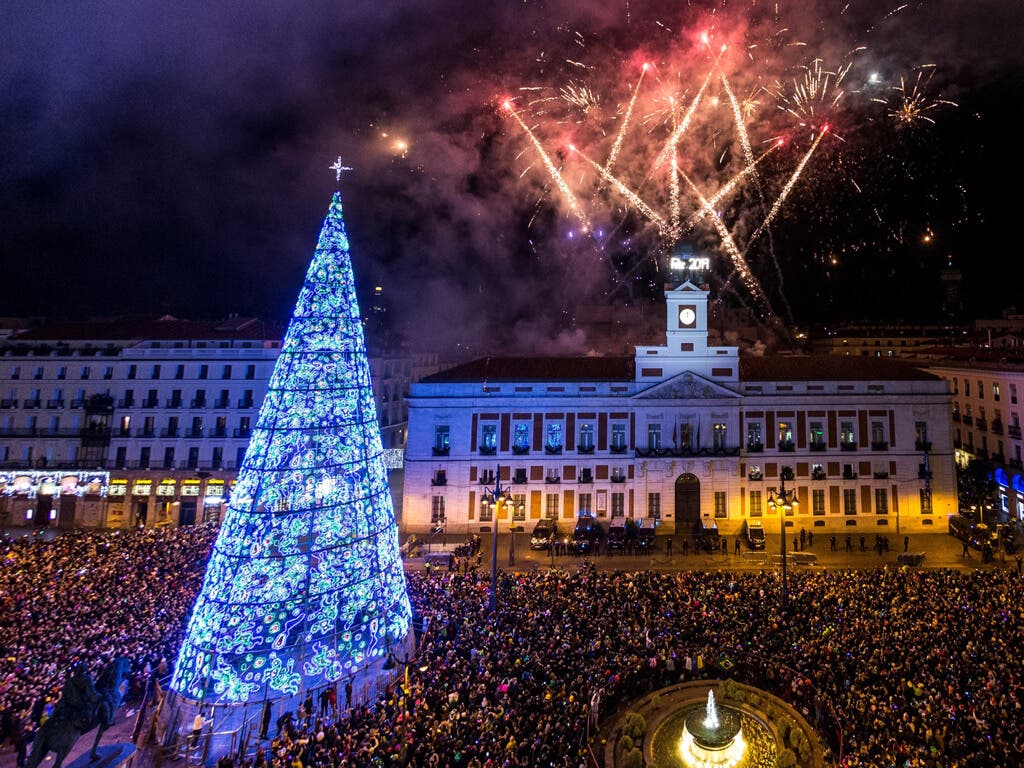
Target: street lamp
x=785, y=502
x=512, y=528
x=494, y=498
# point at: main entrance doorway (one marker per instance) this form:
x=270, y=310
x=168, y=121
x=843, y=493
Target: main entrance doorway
x=687, y=501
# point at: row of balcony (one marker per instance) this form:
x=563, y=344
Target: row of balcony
x=82, y=432
x=106, y=432
x=58, y=403
x=189, y=433
x=176, y=403
x=585, y=478
x=524, y=450
x=981, y=424
x=103, y=464
x=441, y=478
x=846, y=475
x=784, y=447
x=190, y=466
x=984, y=453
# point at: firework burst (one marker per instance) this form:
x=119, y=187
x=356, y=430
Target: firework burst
x=706, y=102
x=911, y=104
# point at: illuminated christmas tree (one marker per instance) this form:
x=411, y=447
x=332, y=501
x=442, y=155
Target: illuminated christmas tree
x=305, y=583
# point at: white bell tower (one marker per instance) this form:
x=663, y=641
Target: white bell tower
x=686, y=343
x=687, y=322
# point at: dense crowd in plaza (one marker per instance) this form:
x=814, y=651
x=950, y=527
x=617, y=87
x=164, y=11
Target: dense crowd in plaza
x=918, y=666
x=89, y=596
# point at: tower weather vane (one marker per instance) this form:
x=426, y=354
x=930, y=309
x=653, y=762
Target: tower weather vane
x=338, y=168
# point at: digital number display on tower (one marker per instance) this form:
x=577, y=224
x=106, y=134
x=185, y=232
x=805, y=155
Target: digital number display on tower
x=691, y=264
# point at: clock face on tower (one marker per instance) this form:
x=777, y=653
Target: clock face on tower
x=687, y=317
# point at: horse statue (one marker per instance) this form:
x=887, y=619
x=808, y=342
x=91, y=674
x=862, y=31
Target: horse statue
x=82, y=706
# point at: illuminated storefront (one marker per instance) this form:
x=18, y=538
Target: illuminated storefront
x=45, y=498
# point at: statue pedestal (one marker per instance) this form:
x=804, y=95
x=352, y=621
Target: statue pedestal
x=111, y=756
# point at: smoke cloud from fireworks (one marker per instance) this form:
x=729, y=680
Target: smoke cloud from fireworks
x=143, y=142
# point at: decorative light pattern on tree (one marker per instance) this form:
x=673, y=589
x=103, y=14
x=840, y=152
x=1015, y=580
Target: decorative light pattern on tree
x=305, y=583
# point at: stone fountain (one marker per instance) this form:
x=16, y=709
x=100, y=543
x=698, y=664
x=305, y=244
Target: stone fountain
x=712, y=739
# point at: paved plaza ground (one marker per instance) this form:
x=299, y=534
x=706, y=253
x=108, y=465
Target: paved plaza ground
x=940, y=549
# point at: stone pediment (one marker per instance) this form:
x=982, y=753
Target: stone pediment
x=687, y=286
x=686, y=386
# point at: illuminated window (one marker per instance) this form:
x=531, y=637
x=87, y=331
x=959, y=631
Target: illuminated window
x=785, y=433
x=754, y=431
x=846, y=434
x=653, y=437
x=881, y=501
x=437, y=510
x=551, y=505
x=442, y=437
x=519, y=507
x=849, y=501
x=817, y=435
x=586, y=437
x=489, y=437
x=720, y=504
x=521, y=437
x=754, y=503
x=554, y=436
x=818, y=501
x=654, y=505
x=618, y=504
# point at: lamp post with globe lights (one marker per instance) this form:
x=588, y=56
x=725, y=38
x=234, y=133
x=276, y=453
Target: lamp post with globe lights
x=494, y=498
x=785, y=502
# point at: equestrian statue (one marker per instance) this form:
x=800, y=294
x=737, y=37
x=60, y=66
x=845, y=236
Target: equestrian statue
x=82, y=706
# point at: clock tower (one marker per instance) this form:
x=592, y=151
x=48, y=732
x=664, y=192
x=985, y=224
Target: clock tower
x=686, y=337
x=687, y=308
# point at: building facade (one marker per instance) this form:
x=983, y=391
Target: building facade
x=681, y=432
x=122, y=422
x=986, y=412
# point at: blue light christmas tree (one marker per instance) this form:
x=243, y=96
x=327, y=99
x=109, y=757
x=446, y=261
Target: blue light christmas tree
x=305, y=583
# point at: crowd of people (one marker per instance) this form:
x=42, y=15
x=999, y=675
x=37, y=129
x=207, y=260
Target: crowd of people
x=89, y=597
x=917, y=667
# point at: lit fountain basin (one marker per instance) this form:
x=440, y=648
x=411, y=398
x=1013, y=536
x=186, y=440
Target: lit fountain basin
x=669, y=738
x=712, y=739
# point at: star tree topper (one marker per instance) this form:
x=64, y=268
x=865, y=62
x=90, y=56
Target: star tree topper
x=338, y=168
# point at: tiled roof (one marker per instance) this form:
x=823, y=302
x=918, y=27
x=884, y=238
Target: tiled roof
x=828, y=368
x=1009, y=360
x=153, y=328
x=774, y=368
x=538, y=369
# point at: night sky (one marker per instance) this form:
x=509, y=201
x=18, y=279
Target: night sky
x=173, y=157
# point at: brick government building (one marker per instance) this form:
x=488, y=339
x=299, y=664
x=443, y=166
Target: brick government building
x=681, y=432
